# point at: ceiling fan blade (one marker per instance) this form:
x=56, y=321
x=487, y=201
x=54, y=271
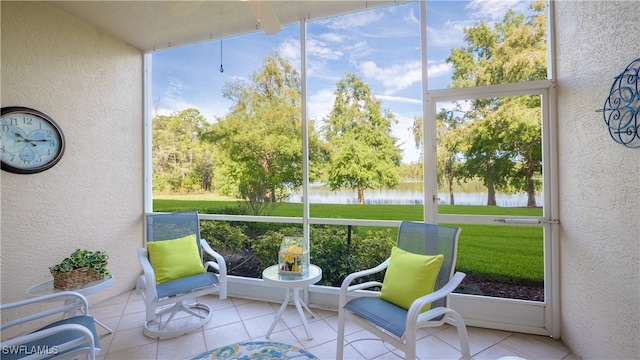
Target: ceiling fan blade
x=182, y=9
x=266, y=17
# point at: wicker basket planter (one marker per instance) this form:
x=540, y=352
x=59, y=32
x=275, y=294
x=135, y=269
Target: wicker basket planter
x=74, y=278
x=81, y=267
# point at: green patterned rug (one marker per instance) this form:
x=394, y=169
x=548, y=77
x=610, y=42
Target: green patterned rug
x=256, y=350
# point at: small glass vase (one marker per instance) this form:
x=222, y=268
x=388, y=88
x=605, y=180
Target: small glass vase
x=293, y=257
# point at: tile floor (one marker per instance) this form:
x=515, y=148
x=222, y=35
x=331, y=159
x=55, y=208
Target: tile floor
x=237, y=319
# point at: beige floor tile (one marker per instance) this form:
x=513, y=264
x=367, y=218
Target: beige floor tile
x=536, y=347
x=107, y=311
x=132, y=321
x=216, y=303
x=223, y=317
x=225, y=335
x=432, y=347
x=366, y=344
x=321, y=332
x=479, y=339
x=118, y=299
x=236, y=320
x=285, y=336
x=494, y=352
x=131, y=338
x=135, y=305
x=254, y=309
x=184, y=346
x=328, y=351
x=148, y=351
x=258, y=327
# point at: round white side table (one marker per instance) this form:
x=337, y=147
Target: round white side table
x=46, y=288
x=293, y=284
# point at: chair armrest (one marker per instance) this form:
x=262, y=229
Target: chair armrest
x=149, y=276
x=346, y=287
x=419, y=303
x=219, y=264
x=73, y=300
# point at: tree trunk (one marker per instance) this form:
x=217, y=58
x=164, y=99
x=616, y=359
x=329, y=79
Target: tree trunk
x=491, y=192
x=360, y=193
x=531, y=190
x=451, y=200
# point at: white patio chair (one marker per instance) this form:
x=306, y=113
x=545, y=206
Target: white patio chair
x=175, y=275
x=412, y=281
x=72, y=337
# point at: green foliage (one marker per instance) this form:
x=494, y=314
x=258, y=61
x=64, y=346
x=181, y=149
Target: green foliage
x=362, y=153
x=181, y=162
x=224, y=237
x=329, y=251
x=501, y=138
x=265, y=247
x=83, y=258
x=508, y=253
x=260, y=140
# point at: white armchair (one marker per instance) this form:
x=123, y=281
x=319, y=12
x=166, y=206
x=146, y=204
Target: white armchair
x=74, y=336
x=174, y=272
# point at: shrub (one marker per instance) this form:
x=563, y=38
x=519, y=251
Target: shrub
x=224, y=237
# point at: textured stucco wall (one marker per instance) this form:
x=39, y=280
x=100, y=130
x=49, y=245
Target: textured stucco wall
x=599, y=183
x=91, y=84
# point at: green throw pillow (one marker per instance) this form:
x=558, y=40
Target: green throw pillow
x=175, y=259
x=409, y=276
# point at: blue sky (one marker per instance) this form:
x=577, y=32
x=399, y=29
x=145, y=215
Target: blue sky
x=382, y=46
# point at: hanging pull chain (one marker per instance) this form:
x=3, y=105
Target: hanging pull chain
x=221, y=68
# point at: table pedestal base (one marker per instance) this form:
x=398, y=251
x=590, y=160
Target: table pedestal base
x=295, y=294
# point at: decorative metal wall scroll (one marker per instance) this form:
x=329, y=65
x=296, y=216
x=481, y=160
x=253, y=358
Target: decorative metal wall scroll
x=622, y=107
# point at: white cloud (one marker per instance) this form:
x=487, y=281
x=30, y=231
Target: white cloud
x=331, y=37
x=290, y=50
x=400, y=99
x=494, y=10
x=319, y=104
x=439, y=69
x=402, y=131
x=450, y=35
x=355, y=20
x=322, y=50
x=394, y=78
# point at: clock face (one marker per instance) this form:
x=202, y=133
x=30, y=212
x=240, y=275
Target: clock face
x=30, y=141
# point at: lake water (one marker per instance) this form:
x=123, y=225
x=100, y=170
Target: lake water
x=408, y=194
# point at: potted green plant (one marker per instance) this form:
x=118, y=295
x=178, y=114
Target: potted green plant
x=81, y=267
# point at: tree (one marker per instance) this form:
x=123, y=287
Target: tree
x=503, y=137
x=362, y=154
x=448, y=142
x=180, y=162
x=260, y=139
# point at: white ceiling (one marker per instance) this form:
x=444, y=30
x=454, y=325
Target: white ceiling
x=155, y=25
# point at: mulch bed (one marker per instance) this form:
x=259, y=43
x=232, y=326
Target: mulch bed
x=493, y=288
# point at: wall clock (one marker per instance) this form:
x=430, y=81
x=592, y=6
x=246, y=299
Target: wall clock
x=30, y=141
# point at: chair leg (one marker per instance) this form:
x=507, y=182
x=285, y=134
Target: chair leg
x=463, y=337
x=410, y=346
x=340, y=338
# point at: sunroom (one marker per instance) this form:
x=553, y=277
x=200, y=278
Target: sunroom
x=86, y=65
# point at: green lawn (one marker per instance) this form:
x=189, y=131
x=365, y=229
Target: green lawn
x=507, y=253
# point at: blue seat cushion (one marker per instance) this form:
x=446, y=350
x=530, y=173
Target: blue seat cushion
x=384, y=314
x=185, y=285
x=50, y=343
